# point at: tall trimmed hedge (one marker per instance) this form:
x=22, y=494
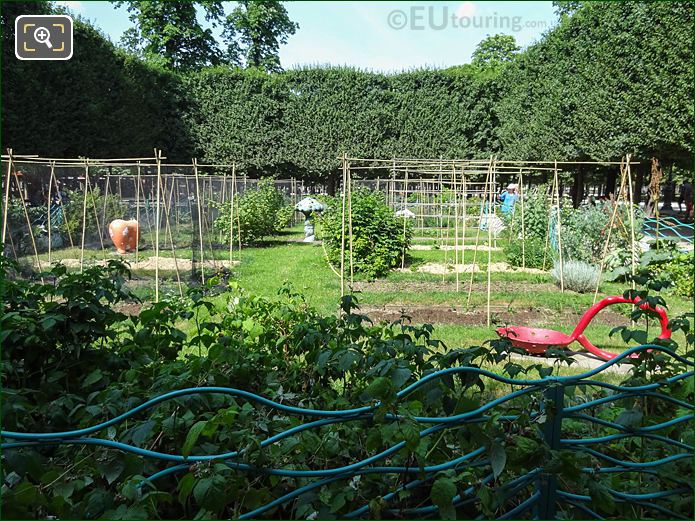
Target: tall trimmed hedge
x=100, y=103
x=611, y=78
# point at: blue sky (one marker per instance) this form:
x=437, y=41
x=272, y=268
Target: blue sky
x=380, y=36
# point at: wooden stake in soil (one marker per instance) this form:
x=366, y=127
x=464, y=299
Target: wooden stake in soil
x=200, y=219
x=7, y=199
x=523, y=225
x=490, y=213
x=456, y=224
x=48, y=204
x=610, y=230
x=486, y=189
x=231, y=214
x=137, y=211
x=342, y=236
x=26, y=216
x=633, y=252
x=349, y=184
x=559, y=230
x=84, y=214
x=167, y=230
x=404, y=198
x=463, y=227
x=158, y=155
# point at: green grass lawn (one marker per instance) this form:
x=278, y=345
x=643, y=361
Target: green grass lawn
x=263, y=269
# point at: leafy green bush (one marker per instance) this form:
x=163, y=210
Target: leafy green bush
x=577, y=275
x=379, y=238
x=585, y=230
x=533, y=252
x=104, y=208
x=536, y=212
x=262, y=211
x=70, y=361
x=679, y=270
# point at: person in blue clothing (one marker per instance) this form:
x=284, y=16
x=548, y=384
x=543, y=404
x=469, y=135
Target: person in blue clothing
x=508, y=198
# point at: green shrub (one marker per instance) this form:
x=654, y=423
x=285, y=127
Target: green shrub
x=536, y=211
x=585, y=230
x=262, y=211
x=679, y=271
x=577, y=275
x=378, y=238
x=71, y=361
x=104, y=208
x=532, y=251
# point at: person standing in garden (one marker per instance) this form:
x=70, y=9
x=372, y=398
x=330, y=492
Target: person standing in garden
x=686, y=196
x=508, y=198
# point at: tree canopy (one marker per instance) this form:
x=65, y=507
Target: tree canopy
x=609, y=79
x=496, y=49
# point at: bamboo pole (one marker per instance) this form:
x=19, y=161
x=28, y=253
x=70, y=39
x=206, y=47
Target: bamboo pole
x=547, y=228
x=477, y=235
x=463, y=228
x=342, y=236
x=523, y=225
x=490, y=213
x=349, y=184
x=137, y=210
x=405, y=205
x=456, y=225
x=157, y=154
x=231, y=215
x=96, y=220
x=610, y=230
x=632, y=220
x=48, y=204
x=559, y=230
x=167, y=230
x=106, y=195
x=238, y=219
x=26, y=216
x=84, y=214
x=200, y=219
x=65, y=214
x=8, y=180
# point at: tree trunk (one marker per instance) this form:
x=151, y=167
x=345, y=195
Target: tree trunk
x=642, y=169
x=669, y=191
x=578, y=187
x=610, y=182
x=331, y=183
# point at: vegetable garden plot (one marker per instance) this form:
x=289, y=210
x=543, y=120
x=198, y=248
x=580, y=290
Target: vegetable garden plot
x=60, y=210
x=456, y=210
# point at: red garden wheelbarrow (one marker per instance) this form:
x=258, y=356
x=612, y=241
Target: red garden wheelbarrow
x=536, y=341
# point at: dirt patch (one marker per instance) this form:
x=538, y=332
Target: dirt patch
x=438, y=268
x=128, y=308
x=386, y=286
x=427, y=247
x=445, y=314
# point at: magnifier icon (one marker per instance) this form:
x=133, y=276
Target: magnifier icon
x=42, y=35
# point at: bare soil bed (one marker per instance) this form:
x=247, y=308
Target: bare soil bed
x=446, y=314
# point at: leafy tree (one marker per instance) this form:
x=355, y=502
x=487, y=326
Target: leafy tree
x=568, y=8
x=254, y=31
x=169, y=32
x=495, y=49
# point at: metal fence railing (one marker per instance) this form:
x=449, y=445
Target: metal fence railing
x=668, y=227
x=537, y=493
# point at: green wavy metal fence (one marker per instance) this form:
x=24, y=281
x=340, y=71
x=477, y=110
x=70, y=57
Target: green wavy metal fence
x=537, y=494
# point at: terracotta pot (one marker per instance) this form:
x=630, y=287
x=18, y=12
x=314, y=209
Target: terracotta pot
x=124, y=234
